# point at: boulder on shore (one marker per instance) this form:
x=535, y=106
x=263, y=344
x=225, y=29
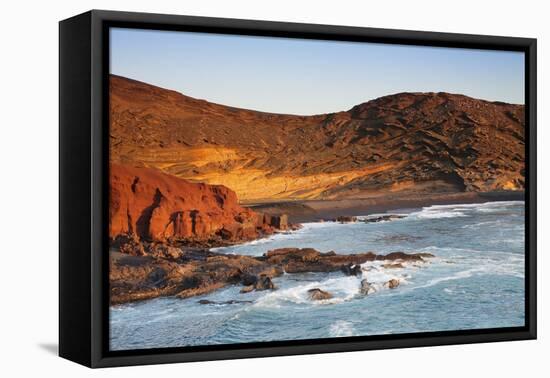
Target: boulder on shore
x=393, y=283
x=279, y=222
x=198, y=271
x=352, y=270
x=383, y=218
x=317, y=294
x=346, y=219
x=129, y=244
x=264, y=283
x=404, y=256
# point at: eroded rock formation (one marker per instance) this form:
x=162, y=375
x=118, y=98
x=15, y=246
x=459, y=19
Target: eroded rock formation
x=317, y=294
x=148, y=205
x=198, y=272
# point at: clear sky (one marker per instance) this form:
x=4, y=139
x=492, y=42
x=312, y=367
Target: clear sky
x=296, y=76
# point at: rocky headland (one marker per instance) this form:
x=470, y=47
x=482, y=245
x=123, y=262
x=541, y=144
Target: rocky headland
x=147, y=205
x=162, y=228
x=190, y=272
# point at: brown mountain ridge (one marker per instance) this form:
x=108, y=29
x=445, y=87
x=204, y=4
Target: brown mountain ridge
x=403, y=143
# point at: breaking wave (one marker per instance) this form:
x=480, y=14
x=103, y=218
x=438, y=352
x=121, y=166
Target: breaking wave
x=462, y=210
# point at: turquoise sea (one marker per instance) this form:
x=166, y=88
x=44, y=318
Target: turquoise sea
x=475, y=281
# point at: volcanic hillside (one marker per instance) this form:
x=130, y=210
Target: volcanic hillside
x=407, y=142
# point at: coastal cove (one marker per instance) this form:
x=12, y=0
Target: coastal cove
x=404, y=213
x=475, y=279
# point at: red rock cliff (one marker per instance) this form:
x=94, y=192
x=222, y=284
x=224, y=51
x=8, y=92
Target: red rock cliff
x=155, y=206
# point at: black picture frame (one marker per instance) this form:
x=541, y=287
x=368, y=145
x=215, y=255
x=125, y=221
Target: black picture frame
x=83, y=166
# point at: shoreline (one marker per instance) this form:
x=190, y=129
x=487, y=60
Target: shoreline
x=305, y=211
x=187, y=271
x=138, y=278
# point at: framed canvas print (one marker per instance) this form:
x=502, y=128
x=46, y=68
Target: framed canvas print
x=234, y=188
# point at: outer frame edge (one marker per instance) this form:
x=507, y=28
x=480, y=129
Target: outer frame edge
x=75, y=334
x=99, y=18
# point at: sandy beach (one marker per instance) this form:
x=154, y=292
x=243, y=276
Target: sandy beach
x=317, y=210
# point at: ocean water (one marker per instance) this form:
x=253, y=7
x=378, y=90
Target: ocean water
x=475, y=281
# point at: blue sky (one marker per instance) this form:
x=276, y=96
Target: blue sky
x=297, y=76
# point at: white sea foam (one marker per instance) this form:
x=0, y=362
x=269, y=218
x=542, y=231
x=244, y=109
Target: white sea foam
x=378, y=276
x=341, y=328
x=241, y=248
x=509, y=267
x=325, y=224
x=430, y=213
x=488, y=223
x=481, y=267
x=480, y=205
x=497, y=205
x=461, y=210
x=342, y=288
x=456, y=276
x=465, y=252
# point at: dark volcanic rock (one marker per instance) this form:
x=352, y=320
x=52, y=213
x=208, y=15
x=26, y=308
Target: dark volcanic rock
x=393, y=283
x=201, y=272
x=264, y=283
x=318, y=294
x=352, y=270
x=404, y=256
x=383, y=218
x=300, y=260
x=346, y=219
x=232, y=301
x=165, y=251
x=128, y=244
x=248, y=279
x=279, y=222
x=132, y=248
